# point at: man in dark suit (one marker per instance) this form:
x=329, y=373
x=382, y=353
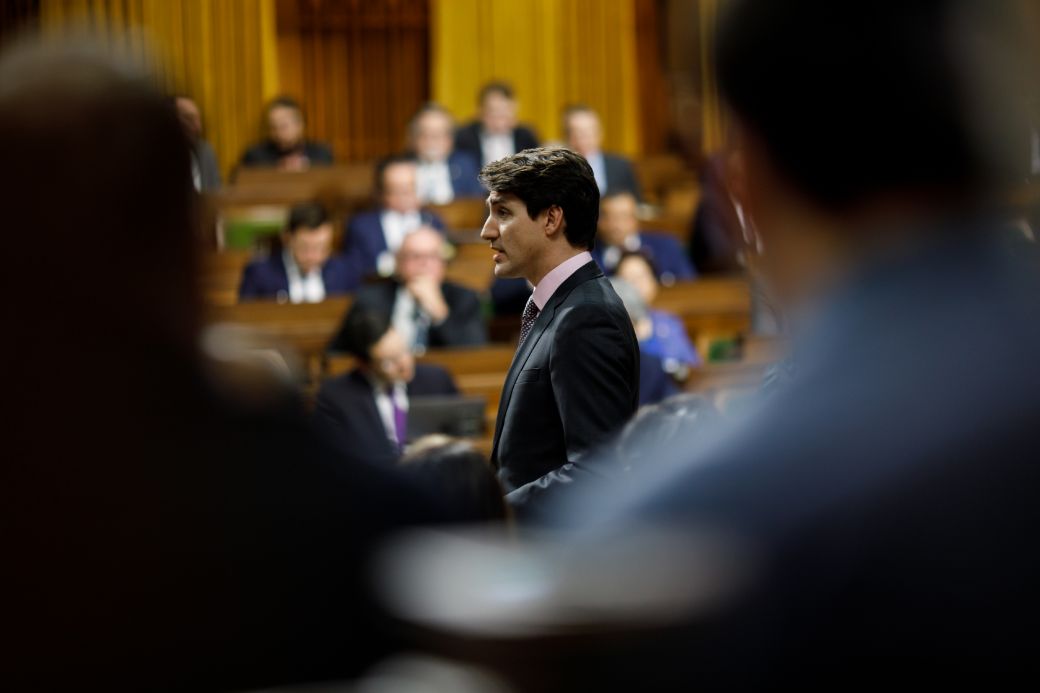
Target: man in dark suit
x=364, y=414
x=584, y=134
x=285, y=146
x=305, y=271
x=423, y=309
x=444, y=173
x=886, y=495
x=205, y=172
x=574, y=380
x=619, y=234
x=497, y=133
x=373, y=237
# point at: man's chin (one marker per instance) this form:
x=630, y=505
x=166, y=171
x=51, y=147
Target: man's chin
x=504, y=271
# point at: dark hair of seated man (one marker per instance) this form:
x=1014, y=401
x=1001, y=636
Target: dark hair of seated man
x=454, y=470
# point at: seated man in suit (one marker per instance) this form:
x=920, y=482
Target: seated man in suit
x=619, y=233
x=373, y=237
x=285, y=146
x=584, y=135
x=443, y=173
x=425, y=310
x=205, y=173
x=364, y=414
x=496, y=134
x=305, y=271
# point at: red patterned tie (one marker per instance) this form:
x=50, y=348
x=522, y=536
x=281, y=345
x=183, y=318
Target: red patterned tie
x=527, y=320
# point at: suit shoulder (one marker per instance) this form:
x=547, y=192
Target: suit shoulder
x=661, y=240
x=431, y=379
x=366, y=219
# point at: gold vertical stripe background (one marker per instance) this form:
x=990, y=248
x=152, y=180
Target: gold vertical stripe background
x=222, y=53
x=553, y=52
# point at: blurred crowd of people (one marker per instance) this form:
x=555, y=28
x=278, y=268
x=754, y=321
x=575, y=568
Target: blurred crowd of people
x=166, y=529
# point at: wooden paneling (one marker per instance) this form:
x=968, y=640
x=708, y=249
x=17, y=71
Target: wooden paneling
x=359, y=67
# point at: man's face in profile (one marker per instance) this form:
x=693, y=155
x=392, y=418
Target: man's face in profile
x=516, y=239
x=310, y=247
x=285, y=127
x=400, y=193
x=498, y=114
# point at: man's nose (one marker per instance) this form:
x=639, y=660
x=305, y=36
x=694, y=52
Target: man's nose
x=489, y=231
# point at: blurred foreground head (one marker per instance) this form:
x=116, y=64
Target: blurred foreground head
x=97, y=183
x=854, y=117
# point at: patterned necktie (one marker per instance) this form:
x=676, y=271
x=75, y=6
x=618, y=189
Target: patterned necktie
x=531, y=312
x=400, y=418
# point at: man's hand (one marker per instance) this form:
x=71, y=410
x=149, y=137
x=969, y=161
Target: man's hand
x=427, y=293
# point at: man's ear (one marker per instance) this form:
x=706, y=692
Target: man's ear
x=553, y=220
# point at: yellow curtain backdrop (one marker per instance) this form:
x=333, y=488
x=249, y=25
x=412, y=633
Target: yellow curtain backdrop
x=714, y=127
x=553, y=52
x=222, y=53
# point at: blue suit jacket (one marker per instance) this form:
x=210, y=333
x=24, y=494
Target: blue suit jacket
x=464, y=168
x=267, y=278
x=654, y=383
x=365, y=240
x=663, y=250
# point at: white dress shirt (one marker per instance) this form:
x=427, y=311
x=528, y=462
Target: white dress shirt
x=303, y=289
x=403, y=317
x=433, y=179
x=395, y=227
x=612, y=253
x=599, y=170
x=385, y=407
x=495, y=147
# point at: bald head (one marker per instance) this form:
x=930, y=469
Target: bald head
x=421, y=255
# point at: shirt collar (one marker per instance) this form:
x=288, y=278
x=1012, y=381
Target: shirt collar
x=561, y=273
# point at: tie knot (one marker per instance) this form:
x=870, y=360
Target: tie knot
x=527, y=319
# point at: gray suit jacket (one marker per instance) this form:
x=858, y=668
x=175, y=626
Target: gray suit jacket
x=205, y=159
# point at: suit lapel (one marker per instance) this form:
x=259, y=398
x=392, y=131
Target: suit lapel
x=542, y=322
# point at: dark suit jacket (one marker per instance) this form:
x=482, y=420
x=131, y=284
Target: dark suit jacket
x=345, y=413
x=467, y=139
x=621, y=177
x=365, y=241
x=267, y=278
x=266, y=153
x=464, y=325
x=887, y=491
x=573, y=383
x=663, y=250
x=715, y=237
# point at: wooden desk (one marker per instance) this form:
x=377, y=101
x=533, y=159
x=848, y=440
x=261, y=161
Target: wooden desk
x=306, y=328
